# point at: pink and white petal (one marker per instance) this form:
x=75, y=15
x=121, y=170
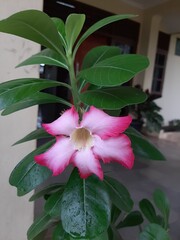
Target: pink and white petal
x=65, y=124
x=58, y=156
x=114, y=149
x=103, y=125
x=87, y=164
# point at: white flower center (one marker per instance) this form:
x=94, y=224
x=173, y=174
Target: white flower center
x=81, y=138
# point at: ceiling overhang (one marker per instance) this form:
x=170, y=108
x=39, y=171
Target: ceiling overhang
x=144, y=4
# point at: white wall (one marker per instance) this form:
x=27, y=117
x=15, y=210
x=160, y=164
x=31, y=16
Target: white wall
x=171, y=90
x=16, y=214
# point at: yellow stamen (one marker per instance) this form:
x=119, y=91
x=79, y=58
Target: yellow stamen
x=81, y=138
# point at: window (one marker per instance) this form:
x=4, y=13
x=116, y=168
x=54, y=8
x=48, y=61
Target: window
x=159, y=71
x=160, y=64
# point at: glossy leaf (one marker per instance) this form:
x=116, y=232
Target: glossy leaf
x=16, y=90
x=36, y=134
x=40, y=224
x=53, y=204
x=85, y=209
x=148, y=211
x=34, y=99
x=113, y=98
x=154, y=232
x=113, y=233
x=103, y=236
x=46, y=56
x=115, y=213
x=47, y=190
x=60, y=234
x=61, y=30
x=27, y=175
x=99, y=25
x=114, y=71
x=142, y=147
x=132, y=219
x=162, y=203
x=119, y=195
x=23, y=24
x=99, y=54
x=73, y=27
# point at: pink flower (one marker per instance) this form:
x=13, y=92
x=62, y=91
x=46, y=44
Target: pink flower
x=97, y=136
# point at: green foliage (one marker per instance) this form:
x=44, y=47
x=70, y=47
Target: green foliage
x=149, y=211
x=46, y=56
x=27, y=175
x=132, y=219
x=119, y=195
x=24, y=24
x=115, y=70
x=157, y=213
x=22, y=93
x=142, y=147
x=99, y=54
x=73, y=30
x=154, y=232
x=47, y=190
x=112, y=98
x=85, y=205
x=36, y=134
x=99, y=25
x=40, y=224
x=162, y=203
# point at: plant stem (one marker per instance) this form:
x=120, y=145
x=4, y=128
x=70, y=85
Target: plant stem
x=73, y=82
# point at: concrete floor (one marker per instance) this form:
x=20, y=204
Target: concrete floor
x=146, y=176
x=142, y=180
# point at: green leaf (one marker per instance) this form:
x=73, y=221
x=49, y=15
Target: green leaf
x=99, y=25
x=103, y=236
x=73, y=27
x=53, y=204
x=85, y=209
x=154, y=232
x=148, y=211
x=114, y=71
x=120, y=196
x=99, y=54
x=142, y=147
x=23, y=24
x=115, y=213
x=162, y=203
x=16, y=90
x=40, y=224
x=61, y=30
x=34, y=99
x=47, y=190
x=132, y=219
x=27, y=175
x=46, y=56
x=60, y=234
x=113, y=233
x=36, y=134
x=113, y=98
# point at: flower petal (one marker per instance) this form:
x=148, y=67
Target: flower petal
x=87, y=164
x=58, y=156
x=64, y=125
x=114, y=149
x=103, y=125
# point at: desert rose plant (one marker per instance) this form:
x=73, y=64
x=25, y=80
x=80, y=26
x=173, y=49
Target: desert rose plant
x=91, y=205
